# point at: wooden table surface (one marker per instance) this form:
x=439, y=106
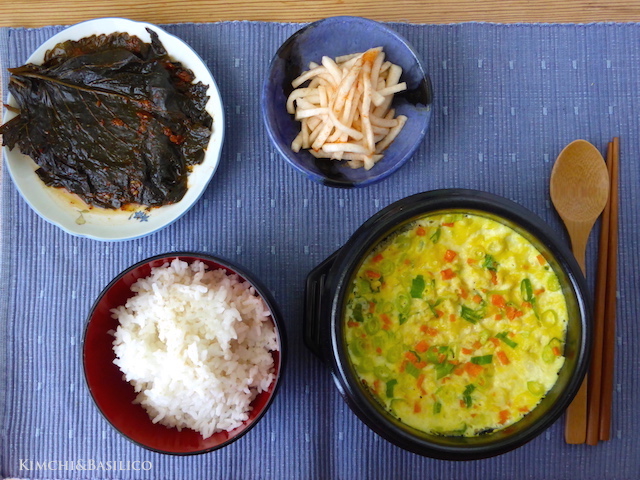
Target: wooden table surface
x=36, y=13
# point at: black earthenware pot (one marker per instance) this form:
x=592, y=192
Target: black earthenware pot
x=328, y=286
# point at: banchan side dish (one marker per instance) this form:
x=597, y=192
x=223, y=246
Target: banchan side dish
x=456, y=324
x=498, y=298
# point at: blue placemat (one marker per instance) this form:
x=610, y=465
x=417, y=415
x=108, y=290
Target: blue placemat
x=508, y=98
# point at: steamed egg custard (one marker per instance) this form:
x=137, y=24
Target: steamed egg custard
x=456, y=324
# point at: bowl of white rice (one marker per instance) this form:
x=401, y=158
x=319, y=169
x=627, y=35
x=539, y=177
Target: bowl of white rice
x=183, y=353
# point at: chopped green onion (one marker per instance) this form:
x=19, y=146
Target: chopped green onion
x=466, y=395
x=372, y=325
x=402, y=318
x=357, y=312
x=432, y=306
x=526, y=290
x=490, y=263
x=437, y=408
x=536, y=388
x=382, y=372
x=411, y=369
x=390, y=384
x=436, y=235
x=504, y=337
x=444, y=369
x=417, y=287
x=470, y=315
x=482, y=360
x=550, y=317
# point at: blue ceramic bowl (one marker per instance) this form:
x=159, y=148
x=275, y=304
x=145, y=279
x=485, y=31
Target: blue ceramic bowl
x=332, y=37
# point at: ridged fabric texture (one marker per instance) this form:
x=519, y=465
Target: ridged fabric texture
x=508, y=98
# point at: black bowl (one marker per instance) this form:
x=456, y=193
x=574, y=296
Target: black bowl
x=328, y=287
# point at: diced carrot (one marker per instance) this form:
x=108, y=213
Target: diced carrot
x=498, y=316
x=403, y=365
x=477, y=298
x=541, y=260
x=447, y=274
x=452, y=317
x=462, y=404
x=472, y=261
x=450, y=255
x=459, y=371
x=523, y=409
x=419, y=381
x=511, y=312
x=494, y=340
x=421, y=232
x=376, y=385
x=498, y=301
x=407, y=261
x=477, y=344
x=372, y=307
x=556, y=351
x=386, y=326
x=494, y=277
x=422, y=346
x=417, y=408
x=411, y=357
x=467, y=351
x=372, y=274
x=464, y=293
x=385, y=318
x=352, y=324
x=472, y=369
x=454, y=362
x=527, y=305
x=377, y=258
x=441, y=358
x=421, y=364
x=379, y=351
x=503, y=357
x=447, y=224
x=439, y=313
x=539, y=291
x=504, y=416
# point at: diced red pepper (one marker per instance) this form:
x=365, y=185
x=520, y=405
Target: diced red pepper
x=447, y=274
x=504, y=416
x=450, y=255
x=377, y=258
x=498, y=301
x=472, y=369
x=503, y=357
x=372, y=274
x=411, y=357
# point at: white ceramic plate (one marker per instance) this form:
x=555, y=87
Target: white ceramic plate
x=101, y=224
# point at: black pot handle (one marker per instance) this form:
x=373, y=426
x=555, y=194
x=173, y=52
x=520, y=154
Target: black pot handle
x=314, y=297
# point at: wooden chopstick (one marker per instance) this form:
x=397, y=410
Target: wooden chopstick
x=608, y=349
x=595, y=370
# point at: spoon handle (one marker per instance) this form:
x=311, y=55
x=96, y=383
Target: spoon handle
x=575, y=431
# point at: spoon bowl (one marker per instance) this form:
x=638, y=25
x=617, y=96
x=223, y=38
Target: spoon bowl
x=579, y=192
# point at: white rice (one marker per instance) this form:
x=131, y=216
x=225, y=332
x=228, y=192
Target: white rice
x=196, y=346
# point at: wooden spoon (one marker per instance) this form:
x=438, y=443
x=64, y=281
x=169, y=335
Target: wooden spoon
x=579, y=192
